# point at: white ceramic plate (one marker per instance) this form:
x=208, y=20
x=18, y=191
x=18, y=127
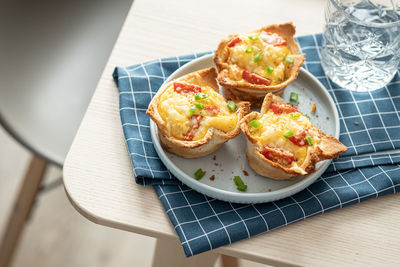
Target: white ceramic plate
x=231, y=156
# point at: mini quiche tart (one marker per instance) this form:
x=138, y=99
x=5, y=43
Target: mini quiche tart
x=252, y=64
x=193, y=119
x=282, y=143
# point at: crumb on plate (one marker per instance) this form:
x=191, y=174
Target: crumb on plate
x=313, y=107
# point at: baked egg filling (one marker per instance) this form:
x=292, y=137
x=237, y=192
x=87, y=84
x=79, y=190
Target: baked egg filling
x=284, y=135
x=189, y=110
x=258, y=58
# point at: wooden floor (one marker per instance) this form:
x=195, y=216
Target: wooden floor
x=56, y=234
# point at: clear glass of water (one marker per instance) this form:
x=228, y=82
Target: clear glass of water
x=361, y=43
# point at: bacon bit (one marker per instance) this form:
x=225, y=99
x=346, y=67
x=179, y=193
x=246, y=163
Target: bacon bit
x=282, y=108
x=283, y=158
x=195, y=124
x=313, y=107
x=212, y=110
x=216, y=164
x=269, y=190
x=234, y=42
x=299, y=139
x=245, y=173
x=212, y=177
x=186, y=88
x=215, y=157
x=254, y=78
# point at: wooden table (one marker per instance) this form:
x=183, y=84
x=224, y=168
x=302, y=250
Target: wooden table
x=98, y=175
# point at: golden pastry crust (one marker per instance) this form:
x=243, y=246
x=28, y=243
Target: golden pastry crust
x=328, y=148
x=255, y=93
x=213, y=139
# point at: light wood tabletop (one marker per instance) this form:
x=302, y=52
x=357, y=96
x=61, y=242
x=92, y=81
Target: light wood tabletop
x=98, y=175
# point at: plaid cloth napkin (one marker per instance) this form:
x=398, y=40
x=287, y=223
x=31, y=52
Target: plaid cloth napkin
x=370, y=127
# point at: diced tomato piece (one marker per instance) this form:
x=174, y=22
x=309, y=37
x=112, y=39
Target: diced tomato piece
x=234, y=42
x=299, y=139
x=195, y=121
x=279, y=108
x=282, y=43
x=186, y=88
x=212, y=110
x=283, y=158
x=254, y=78
x=274, y=40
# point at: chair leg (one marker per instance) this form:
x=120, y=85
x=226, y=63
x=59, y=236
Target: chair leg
x=170, y=253
x=229, y=261
x=21, y=209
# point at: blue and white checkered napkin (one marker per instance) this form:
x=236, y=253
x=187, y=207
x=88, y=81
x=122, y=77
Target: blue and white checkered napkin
x=369, y=122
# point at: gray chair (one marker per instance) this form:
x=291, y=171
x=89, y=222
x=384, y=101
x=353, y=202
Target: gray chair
x=52, y=54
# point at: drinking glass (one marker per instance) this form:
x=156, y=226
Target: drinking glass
x=361, y=43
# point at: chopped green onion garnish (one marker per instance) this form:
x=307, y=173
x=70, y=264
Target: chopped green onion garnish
x=308, y=117
x=249, y=50
x=288, y=134
x=254, y=37
x=289, y=59
x=239, y=183
x=199, y=174
x=242, y=188
x=257, y=56
x=294, y=97
x=199, y=105
x=199, y=96
x=255, y=124
x=329, y=134
x=231, y=105
x=294, y=114
x=192, y=110
x=269, y=69
x=309, y=140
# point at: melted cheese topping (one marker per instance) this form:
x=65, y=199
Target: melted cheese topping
x=274, y=126
x=174, y=109
x=273, y=56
